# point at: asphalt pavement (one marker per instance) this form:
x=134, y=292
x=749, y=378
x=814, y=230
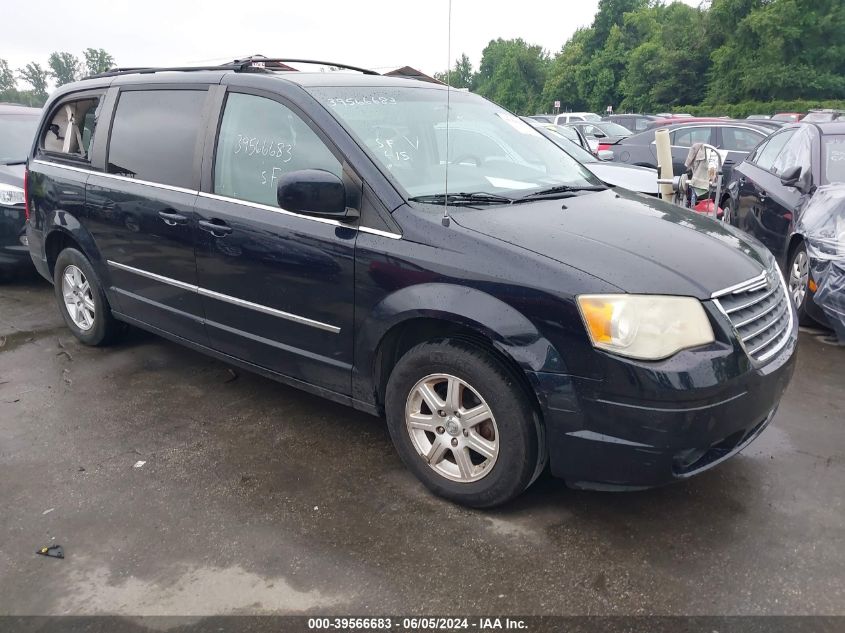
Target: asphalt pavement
x=179, y=485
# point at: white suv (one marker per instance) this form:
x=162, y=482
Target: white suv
x=568, y=117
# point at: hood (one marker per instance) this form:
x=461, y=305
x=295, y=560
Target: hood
x=12, y=175
x=637, y=243
x=642, y=179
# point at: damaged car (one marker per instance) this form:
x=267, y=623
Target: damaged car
x=418, y=253
x=788, y=194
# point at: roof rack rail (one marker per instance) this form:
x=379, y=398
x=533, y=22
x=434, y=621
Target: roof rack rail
x=116, y=72
x=254, y=63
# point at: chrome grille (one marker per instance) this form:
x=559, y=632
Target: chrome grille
x=761, y=314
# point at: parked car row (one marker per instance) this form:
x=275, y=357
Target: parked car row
x=736, y=138
x=641, y=122
x=641, y=179
x=769, y=192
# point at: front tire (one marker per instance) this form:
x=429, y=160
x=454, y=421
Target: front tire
x=729, y=213
x=462, y=423
x=82, y=301
x=798, y=279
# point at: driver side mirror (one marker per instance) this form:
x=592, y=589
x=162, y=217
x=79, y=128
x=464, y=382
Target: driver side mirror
x=790, y=177
x=312, y=191
x=599, y=134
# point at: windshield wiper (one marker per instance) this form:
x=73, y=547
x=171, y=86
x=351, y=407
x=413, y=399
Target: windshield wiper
x=13, y=162
x=563, y=191
x=478, y=197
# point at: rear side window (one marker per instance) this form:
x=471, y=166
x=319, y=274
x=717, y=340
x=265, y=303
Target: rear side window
x=260, y=140
x=687, y=137
x=154, y=135
x=72, y=127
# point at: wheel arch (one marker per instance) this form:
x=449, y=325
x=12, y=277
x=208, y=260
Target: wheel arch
x=795, y=240
x=431, y=311
x=63, y=231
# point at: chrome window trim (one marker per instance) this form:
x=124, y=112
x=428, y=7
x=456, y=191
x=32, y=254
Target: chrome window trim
x=81, y=170
x=227, y=298
x=136, y=181
x=387, y=234
x=267, y=207
x=214, y=196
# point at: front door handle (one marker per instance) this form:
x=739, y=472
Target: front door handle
x=171, y=218
x=217, y=228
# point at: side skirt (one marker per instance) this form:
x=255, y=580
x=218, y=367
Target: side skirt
x=257, y=369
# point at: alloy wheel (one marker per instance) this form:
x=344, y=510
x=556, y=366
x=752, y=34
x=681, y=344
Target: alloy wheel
x=452, y=428
x=799, y=278
x=78, y=298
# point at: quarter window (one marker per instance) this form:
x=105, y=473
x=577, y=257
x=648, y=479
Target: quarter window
x=736, y=139
x=71, y=130
x=261, y=140
x=154, y=135
x=687, y=137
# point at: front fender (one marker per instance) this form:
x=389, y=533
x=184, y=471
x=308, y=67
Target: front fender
x=507, y=329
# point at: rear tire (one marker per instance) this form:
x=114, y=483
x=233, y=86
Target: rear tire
x=82, y=301
x=472, y=455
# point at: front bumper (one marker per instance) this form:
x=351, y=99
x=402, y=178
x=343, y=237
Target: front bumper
x=648, y=424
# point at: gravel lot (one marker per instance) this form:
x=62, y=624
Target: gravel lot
x=257, y=498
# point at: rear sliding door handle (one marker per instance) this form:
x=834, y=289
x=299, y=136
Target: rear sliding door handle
x=218, y=228
x=171, y=218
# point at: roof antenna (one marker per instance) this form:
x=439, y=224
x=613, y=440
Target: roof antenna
x=445, y=221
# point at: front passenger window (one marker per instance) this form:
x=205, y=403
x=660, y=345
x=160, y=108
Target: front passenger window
x=261, y=140
x=796, y=153
x=765, y=157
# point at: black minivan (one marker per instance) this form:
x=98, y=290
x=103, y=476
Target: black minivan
x=297, y=224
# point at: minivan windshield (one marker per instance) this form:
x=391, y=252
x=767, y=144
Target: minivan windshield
x=490, y=151
x=17, y=132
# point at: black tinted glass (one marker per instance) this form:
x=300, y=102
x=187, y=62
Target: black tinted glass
x=16, y=134
x=154, y=135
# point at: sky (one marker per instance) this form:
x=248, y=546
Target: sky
x=377, y=34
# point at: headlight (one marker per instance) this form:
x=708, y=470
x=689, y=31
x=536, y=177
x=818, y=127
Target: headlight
x=648, y=327
x=9, y=194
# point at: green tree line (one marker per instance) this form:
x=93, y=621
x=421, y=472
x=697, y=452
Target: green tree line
x=649, y=56
x=62, y=68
